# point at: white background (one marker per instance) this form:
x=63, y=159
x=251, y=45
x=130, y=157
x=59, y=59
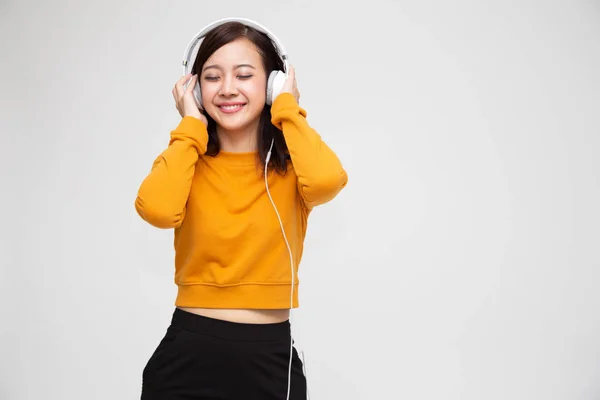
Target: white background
x=460, y=263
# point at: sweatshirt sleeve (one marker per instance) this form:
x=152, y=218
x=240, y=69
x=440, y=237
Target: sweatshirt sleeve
x=320, y=173
x=162, y=197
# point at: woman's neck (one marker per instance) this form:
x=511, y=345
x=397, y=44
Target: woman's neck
x=238, y=141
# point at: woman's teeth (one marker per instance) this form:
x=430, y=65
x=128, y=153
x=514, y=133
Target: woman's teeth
x=232, y=108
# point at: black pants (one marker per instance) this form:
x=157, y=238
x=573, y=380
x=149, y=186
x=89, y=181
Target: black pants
x=203, y=358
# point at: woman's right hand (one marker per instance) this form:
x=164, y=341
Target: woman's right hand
x=184, y=98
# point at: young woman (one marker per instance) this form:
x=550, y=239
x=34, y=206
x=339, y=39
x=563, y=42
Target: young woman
x=239, y=213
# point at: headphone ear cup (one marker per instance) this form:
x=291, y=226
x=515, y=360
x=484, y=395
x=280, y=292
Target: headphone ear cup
x=275, y=85
x=198, y=95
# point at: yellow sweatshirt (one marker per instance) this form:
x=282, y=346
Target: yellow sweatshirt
x=229, y=248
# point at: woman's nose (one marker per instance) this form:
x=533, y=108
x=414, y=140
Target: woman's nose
x=228, y=87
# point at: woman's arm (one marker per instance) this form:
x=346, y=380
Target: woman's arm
x=162, y=196
x=320, y=173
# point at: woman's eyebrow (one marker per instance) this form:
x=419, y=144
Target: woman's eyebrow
x=215, y=66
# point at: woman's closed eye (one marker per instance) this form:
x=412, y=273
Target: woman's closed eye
x=215, y=78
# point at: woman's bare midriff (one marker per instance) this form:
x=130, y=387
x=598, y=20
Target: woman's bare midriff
x=242, y=315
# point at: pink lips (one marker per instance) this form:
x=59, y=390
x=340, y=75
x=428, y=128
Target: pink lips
x=230, y=108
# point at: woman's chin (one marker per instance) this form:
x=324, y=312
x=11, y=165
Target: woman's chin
x=236, y=122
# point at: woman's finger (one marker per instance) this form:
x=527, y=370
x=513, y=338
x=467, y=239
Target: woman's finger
x=179, y=85
x=192, y=84
x=184, y=78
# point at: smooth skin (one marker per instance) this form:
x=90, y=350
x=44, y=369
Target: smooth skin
x=234, y=75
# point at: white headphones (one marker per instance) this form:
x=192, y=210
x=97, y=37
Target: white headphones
x=276, y=78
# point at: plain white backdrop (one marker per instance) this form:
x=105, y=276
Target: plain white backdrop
x=460, y=263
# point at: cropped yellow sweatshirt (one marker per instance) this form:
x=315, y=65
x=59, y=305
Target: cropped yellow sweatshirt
x=229, y=248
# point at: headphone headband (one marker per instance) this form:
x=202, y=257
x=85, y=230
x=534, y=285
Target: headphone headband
x=189, y=53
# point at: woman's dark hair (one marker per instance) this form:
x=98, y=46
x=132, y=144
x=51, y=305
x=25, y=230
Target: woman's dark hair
x=220, y=36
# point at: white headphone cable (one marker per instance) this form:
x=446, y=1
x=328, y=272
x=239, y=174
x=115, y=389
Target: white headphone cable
x=291, y=265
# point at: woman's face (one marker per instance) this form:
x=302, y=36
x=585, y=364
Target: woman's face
x=233, y=82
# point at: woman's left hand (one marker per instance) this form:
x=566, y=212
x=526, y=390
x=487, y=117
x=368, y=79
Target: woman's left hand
x=290, y=85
